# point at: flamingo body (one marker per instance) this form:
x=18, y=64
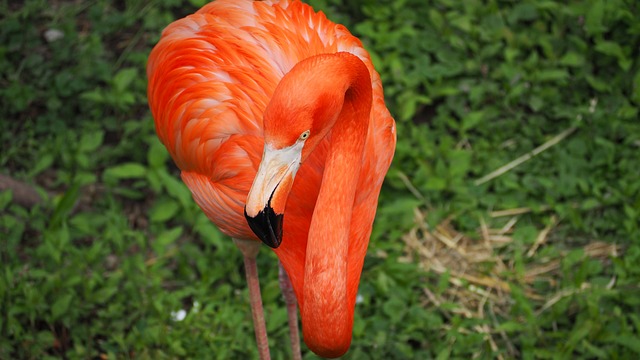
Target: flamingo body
x=211, y=78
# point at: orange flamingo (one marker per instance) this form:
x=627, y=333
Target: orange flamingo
x=276, y=118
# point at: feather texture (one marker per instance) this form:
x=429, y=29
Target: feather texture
x=211, y=77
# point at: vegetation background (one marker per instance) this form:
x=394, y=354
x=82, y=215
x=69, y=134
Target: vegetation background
x=538, y=260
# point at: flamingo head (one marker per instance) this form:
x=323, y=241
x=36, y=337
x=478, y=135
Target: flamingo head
x=302, y=110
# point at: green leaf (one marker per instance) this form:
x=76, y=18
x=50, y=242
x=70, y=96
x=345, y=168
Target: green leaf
x=105, y=294
x=44, y=162
x=409, y=103
x=176, y=347
x=627, y=112
x=45, y=337
x=126, y=171
x=472, y=119
x=155, y=183
x=64, y=206
x=435, y=183
x=123, y=78
x=596, y=351
x=91, y=141
x=175, y=188
x=443, y=282
x=523, y=11
x=572, y=258
x=552, y=75
x=165, y=239
x=525, y=234
x=462, y=22
x=436, y=19
x=536, y=103
x=572, y=59
x=510, y=327
x=636, y=88
x=394, y=308
x=445, y=353
x=460, y=161
x=613, y=49
x=598, y=84
x=163, y=210
x=157, y=154
x=609, y=48
x=60, y=306
x=580, y=332
x=96, y=95
x=629, y=341
x=5, y=198
x=198, y=3
x=85, y=178
x=593, y=19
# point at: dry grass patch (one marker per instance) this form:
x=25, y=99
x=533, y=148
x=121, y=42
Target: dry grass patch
x=480, y=270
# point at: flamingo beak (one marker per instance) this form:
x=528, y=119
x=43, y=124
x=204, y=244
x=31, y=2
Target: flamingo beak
x=267, y=225
x=264, y=209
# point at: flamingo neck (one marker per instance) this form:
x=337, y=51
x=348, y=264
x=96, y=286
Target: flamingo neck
x=327, y=309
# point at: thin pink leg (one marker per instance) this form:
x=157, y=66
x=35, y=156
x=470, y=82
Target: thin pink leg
x=249, y=249
x=292, y=312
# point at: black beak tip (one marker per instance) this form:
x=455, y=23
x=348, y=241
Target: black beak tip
x=267, y=225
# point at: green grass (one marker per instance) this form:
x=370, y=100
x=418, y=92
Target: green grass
x=119, y=246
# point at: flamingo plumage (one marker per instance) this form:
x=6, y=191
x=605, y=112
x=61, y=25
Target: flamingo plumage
x=276, y=117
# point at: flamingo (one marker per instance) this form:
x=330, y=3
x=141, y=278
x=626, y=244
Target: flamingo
x=276, y=118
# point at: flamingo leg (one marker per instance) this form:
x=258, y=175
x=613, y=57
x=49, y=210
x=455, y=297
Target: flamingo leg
x=250, y=249
x=292, y=311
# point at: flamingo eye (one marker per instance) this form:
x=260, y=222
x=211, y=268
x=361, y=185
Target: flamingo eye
x=304, y=135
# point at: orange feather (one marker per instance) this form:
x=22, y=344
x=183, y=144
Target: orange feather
x=211, y=78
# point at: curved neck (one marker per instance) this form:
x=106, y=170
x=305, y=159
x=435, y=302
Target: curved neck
x=326, y=308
